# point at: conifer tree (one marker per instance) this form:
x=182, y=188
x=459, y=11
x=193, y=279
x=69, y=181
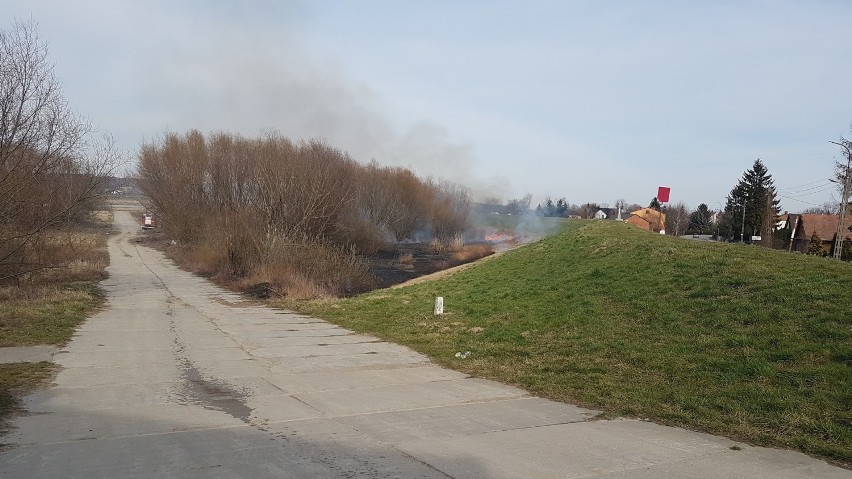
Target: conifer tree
x=655, y=204
x=699, y=221
x=756, y=193
x=815, y=245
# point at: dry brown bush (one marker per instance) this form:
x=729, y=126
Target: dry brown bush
x=67, y=256
x=472, y=252
x=457, y=243
x=449, y=210
x=437, y=246
x=252, y=209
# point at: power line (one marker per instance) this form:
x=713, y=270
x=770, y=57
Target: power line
x=798, y=200
x=802, y=190
x=800, y=186
x=813, y=192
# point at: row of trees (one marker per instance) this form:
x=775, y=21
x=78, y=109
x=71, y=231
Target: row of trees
x=256, y=203
x=52, y=169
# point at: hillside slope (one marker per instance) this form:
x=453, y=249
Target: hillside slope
x=732, y=339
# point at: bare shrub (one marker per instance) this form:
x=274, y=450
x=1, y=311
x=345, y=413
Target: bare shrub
x=457, y=243
x=450, y=208
x=269, y=210
x=51, y=170
x=472, y=252
x=437, y=246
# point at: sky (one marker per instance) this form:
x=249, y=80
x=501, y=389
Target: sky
x=592, y=101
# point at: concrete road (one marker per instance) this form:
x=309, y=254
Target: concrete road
x=178, y=378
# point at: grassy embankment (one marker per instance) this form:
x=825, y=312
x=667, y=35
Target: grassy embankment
x=737, y=340
x=49, y=305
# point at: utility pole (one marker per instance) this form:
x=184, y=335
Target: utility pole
x=742, y=229
x=838, y=242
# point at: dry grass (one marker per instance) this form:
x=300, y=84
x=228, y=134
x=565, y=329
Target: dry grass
x=70, y=254
x=45, y=305
x=472, y=252
x=405, y=258
x=456, y=244
x=437, y=246
x=295, y=270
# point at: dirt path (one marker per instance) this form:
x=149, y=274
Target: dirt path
x=178, y=378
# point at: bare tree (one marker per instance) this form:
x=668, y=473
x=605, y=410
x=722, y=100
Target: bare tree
x=677, y=219
x=50, y=171
x=588, y=210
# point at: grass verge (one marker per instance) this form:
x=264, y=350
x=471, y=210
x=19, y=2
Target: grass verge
x=17, y=379
x=47, y=314
x=49, y=304
x=735, y=340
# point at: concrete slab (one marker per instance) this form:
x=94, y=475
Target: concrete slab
x=338, y=380
x=224, y=369
x=111, y=376
x=468, y=419
x=27, y=354
x=283, y=340
x=75, y=399
x=246, y=331
x=621, y=448
x=409, y=396
x=289, y=365
x=318, y=448
x=312, y=351
x=131, y=420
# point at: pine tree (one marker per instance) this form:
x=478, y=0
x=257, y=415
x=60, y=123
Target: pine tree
x=655, y=204
x=756, y=193
x=561, y=207
x=815, y=245
x=846, y=250
x=699, y=221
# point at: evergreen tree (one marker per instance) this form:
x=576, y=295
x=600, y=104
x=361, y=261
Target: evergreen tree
x=756, y=193
x=815, y=245
x=655, y=204
x=561, y=207
x=699, y=221
x=846, y=250
x=548, y=208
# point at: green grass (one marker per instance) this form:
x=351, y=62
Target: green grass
x=737, y=340
x=47, y=315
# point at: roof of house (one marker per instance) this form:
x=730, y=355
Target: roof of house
x=647, y=218
x=825, y=226
x=649, y=215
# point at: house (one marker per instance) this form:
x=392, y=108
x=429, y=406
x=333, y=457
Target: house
x=648, y=219
x=606, y=214
x=803, y=227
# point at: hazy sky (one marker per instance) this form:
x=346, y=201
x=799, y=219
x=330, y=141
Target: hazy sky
x=591, y=101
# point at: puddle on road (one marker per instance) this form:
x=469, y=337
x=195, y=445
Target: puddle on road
x=210, y=395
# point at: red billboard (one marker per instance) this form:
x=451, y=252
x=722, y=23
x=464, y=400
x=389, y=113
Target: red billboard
x=663, y=194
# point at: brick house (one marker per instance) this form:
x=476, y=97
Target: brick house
x=802, y=227
x=647, y=219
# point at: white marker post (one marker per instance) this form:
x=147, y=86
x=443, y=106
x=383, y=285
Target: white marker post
x=439, y=305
